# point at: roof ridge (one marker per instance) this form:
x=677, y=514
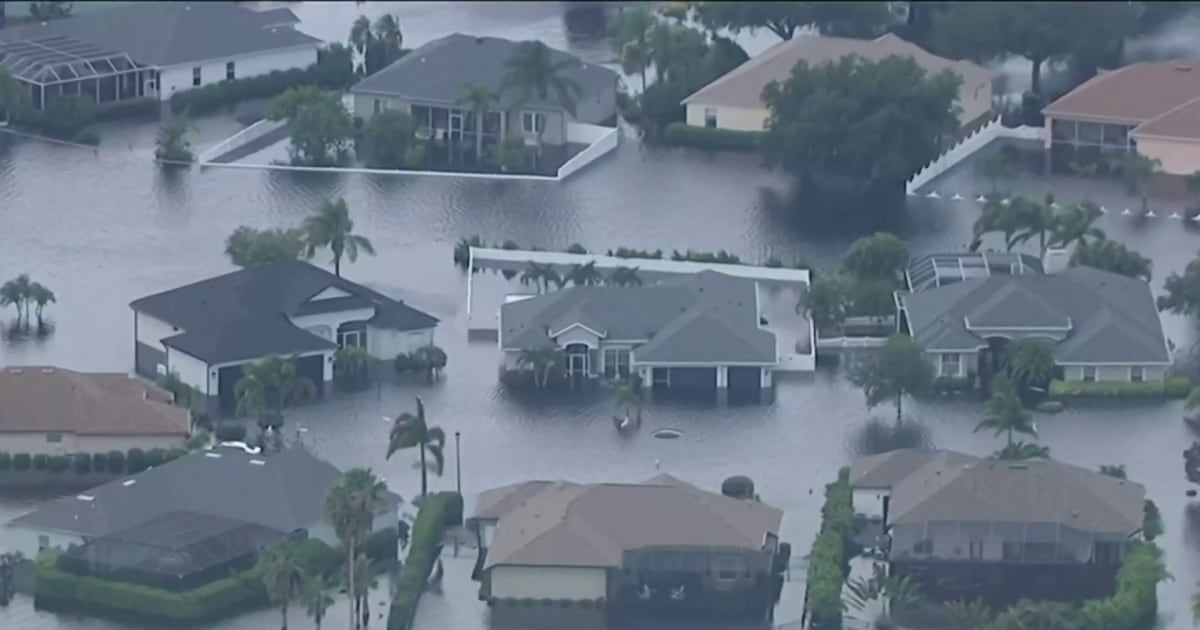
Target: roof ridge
x=1165, y=114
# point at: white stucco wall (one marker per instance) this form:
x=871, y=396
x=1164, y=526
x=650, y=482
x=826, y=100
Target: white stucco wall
x=191, y=371
x=1115, y=372
x=38, y=444
x=869, y=502
x=385, y=343
x=179, y=78
x=332, y=320
x=577, y=334
x=732, y=118
x=965, y=362
x=1178, y=157
x=27, y=540
x=551, y=582
x=151, y=330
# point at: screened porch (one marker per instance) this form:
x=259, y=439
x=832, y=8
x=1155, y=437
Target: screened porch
x=54, y=66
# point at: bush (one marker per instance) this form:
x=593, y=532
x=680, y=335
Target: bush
x=351, y=369
x=383, y=544
x=135, y=461
x=57, y=589
x=40, y=462
x=317, y=557
x=1174, y=387
x=155, y=457
x=423, y=550
x=65, y=118
x=132, y=108
x=58, y=463
x=99, y=462
x=5, y=461
x=82, y=463
x=173, y=454
x=827, y=563
x=22, y=461
x=953, y=384
x=1135, y=604
x=1050, y=406
x=738, y=487
x=684, y=135
x=116, y=462
x=231, y=432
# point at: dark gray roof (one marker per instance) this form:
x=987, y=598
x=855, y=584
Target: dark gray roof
x=244, y=314
x=703, y=317
x=438, y=71
x=885, y=469
x=171, y=33
x=967, y=489
x=284, y=492
x=1111, y=318
x=935, y=270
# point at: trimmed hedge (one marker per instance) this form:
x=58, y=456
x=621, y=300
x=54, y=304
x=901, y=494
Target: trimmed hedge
x=1174, y=387
x=437, y=512
x=953, y=384
x=828, y=563
x=680, y=134
x=115, y=462
x=329, y=72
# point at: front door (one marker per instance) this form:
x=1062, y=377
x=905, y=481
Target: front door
x=577, y=361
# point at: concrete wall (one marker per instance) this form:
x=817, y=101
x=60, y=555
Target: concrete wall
x=1115, y=372
x=1178, y=157
x=732, y=118
x=600, y=141
x=40, y=444
x=551, y=582
x=869, y=502
x=148, y=351
x=384, y=343
x=179, y=78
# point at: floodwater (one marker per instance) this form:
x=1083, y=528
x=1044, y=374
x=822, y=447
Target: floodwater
x=103, y=228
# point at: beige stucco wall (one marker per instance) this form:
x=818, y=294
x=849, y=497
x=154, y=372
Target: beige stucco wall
x=869, y=501
x=549, y=582
x=1115, y=373
x=554, y=134
x=732, y=118
x=37, y=444
x=1178, y=157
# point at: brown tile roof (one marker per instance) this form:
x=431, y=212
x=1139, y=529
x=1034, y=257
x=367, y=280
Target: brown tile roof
x=53, y=400
x=1182, y=123
x=1135, y=94
x=743, y=86
x=570, y=524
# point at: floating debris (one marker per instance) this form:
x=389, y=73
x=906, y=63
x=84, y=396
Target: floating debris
x=668, y=434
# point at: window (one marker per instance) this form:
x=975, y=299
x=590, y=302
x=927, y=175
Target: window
x=976, y=550
x=230, y=72
x=533, y=122
x=43, y=541
x=1106, y=553
x=616, y=362
x=1136, y=374
x=950, y=363
x=1089, y=374
x=728, y=567
x=379, y=106
x=196, y=76
x=710, y=117
x=54, y=438
x=356, y=338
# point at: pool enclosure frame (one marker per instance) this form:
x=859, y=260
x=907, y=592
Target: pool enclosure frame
x=56, y=61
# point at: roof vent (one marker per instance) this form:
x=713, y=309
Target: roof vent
x=15, y=370
x=213, y=455
x=47, y=370
x=258, y=462
x=128, y=482
x=85, y=497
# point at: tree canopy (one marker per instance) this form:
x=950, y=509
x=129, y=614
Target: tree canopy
x=837, y=19
x=248, y=247
x=858, y=122
x=1112, y=256
x=321, y=127
x=387, y=138
x=900, y=369
x=880, y=256
x=1183, y=291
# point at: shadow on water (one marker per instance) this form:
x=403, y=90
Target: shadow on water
x=19, y=333
x=880, y=436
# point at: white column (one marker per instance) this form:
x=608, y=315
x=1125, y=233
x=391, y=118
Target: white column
x=647, y=375
x=766, y=378
x=722, y=377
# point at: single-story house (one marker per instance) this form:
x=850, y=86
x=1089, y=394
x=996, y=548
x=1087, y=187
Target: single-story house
x=1149, y=107
x=151, y=50
x=949, y=516
x=428, y=83
x=51, y=411
x=966, y=309
x=206, y=331
x=190, y=520
x=735, y=101
x=700, y=330
x=663, y=538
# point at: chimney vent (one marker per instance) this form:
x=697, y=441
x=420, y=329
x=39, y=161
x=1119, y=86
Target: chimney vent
x=1056, y=260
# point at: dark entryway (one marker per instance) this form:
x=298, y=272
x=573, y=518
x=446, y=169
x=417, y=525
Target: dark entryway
x=227, y=380
x=313, y=369
x=693, y=378
x=745, y=379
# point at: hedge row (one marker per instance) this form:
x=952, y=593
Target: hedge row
x=330, y=72
x=1175, y=387
x=462, y=254
x=135, y=460
x=437, y=512
x=953, y=384
x=828, y=563
x=684, y=135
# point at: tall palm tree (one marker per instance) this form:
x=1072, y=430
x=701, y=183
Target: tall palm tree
x=1077, y=226
x=361, y=38
x=387, y=31
x=480, y=99
x=364, y=581
x=635, y=58
x=40, y=296
x=1004, y=414
x=1031, y=363
x=14, y=96
x=330, y=226
x=268, y=387
x=314, y=594
x=532, y=72
x=282, y=573
x=350, y=507
x=542, y=276
x=1036, y=219
x=998, y=217
x=541, y=361
x=15, y=293
x=585, y=275
x=625, y=277
x=412, y=431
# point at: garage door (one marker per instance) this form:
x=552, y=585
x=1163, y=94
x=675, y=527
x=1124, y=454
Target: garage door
x=745, y=379
x=694, y=378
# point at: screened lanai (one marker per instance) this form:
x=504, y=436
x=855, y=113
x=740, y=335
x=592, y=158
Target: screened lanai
x=936, y=270
x=56, y=65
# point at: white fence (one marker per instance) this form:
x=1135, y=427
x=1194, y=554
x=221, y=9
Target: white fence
x=600, y=140
x=240, y=139
x=966, y=147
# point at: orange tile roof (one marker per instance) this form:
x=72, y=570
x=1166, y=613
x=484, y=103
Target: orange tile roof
x=1134, y=94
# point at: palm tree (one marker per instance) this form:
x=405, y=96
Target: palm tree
x=387, y=31
x=533, y=73
x=364, y=581
x=314, y=594
x=412, y=431
x=1077, y=225
x=585, y=275
x=431, y=358
x=1004, y=414
x=968, y=615
x=1138, y=170
x=14, y=96
x=1021, y=451
x=625, y=277
x=40, y=296
x=268, y=387
x=541, y=361
x=629, y=397
x=1114, y=470
x=542, y=276
x=15, y=293
x=1112, y=256
x=1037, y=219
x=330, y=226
x=881, y=596
x=635, y=58
x=282, y=573
x=350, y=507
x=1031, y=363
x=479, y=98
x=361, y=38
x=998, y=217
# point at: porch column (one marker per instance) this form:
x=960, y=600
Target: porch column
x=722, y=377
x=647, y=376
x=765, y=379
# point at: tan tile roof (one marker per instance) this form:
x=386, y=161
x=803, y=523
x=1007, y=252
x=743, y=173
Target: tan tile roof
x=570, y=524
x=1183, y=123
x=1135, y=94
x=743, y=86
x=53, y=400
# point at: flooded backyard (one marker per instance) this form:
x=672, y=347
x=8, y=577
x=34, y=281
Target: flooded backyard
x=104, y=228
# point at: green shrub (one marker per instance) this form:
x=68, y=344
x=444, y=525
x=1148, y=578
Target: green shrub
x=58, y=463
x=40, y=462
x=1050, y=406
x=231, y=432
x=135, y=461
x=131, y=108
x=423, y=550
x=155, y=457
x=99, y=462
x=953, y=384
x=22, y=461
x=318, y=557
x=383, y=544
x=681, y=134
x=738, y=487
x=1174, y=387
x=330, y=72
x=116, y=462
x=5, y=461
x=173, y=454
x=1135, y=604
x=82, y=462
x=827, y=562
x=351, y=369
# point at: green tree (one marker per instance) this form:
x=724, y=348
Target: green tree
x=431, y=358
x=541, y=361
x=827, y=302
x=585, y=275
x=40, y=296
x=871, y=297
x=837, y=19
x=1114, y=470
x=14, y=96
x=314, y=594
x=15, y=293
x=1182, y=291
x=1031, y=363
x=331, y=226
x=1112, y=256
x=861, y=124
x=171, y=143
x=248, y=247
x=1137, y=170
x=364, y=581
x=900, y=369
x=46, y=11
x=881, y=595
x=532, y=72
x=1020, y=451
x=968, y=615
x=624, y=277
x=269, y=386
x=350, y=507
x=1003, y=414
x=1076, y=226
x=480, y=100
x=361, y=37
x=389, y=134
x=288, y=104
x=1037, y=219
x=1026, y=615
x=880, y=256
x=320, y=125
x=1000, y=217
x=630, y=30
x=542, y=276
x=282, y=573
x=994, y=168
x=384, y=46
x=412, y=431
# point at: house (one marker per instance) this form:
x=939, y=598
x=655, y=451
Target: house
x=966, y=309
x=964, y=526
x=735, y=101
x=206, y=331
x=1149, y=107
x=428, y=83
x=190, y=520
x=151, y=50
x=701, y=330
x=621, y=542
x=51, y=411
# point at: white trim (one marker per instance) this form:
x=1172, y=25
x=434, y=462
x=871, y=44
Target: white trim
x=711, y=364
x=967, y=325
x=1088, y=118
x=599, y=334
x=188, y=64
x=1118, y=364
x=1182, y=140
x=943, y=350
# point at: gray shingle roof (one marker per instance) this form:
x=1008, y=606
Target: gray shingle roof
x=703, y=317
x=568, y=524
x=1113, y=318
x=438, y=71
x=171, y=33
x=885, y=469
